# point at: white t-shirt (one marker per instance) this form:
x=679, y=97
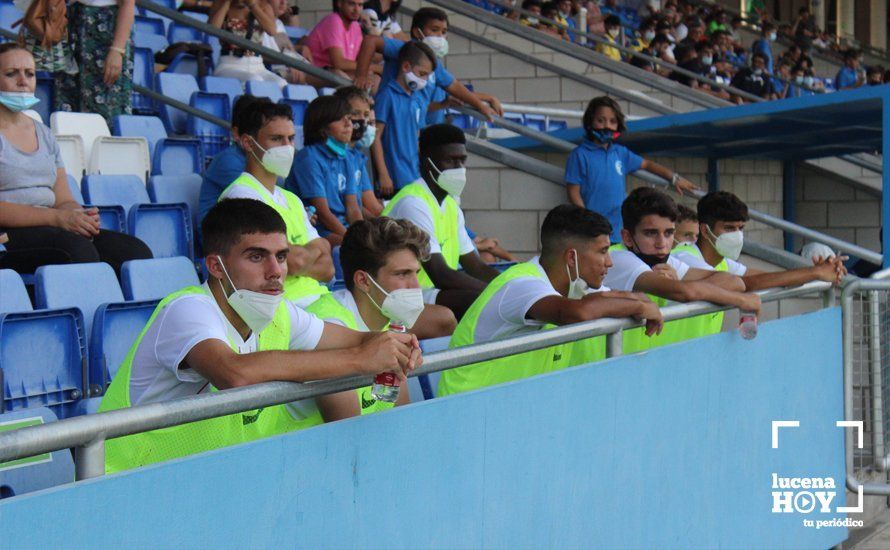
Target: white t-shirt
x=698, y=262
x=245, y=192
x=417, y=212
x=157, y=371
x=344, y=296
x=627, y=267
x=505, y=313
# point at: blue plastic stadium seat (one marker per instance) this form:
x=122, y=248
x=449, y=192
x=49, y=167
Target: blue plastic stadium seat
x=260, y=88
x=156, y=278
x=115, y=329
x=429, y=382
x=43, y=359
x=300, y=91
x=84, y=286
x=123, y=190
x=298, y=107
x=295, y=33
x=502, y=266
x=87, y=406
x=14, y=294
x=112, y=214
x=75, y=189
x=538, y=122
x=143, y=75
x=35, y=473
x=165, y=228
x=183, y=33
x=554, y=125
x=222, y=85
x=181, y=188
x=149, y=25
x=518, y=118
x=213, y=138
x=177, y=156
x=154, y=42
x=9, y=14
x=186, y=63
x=45, y=92
x=149, y=127
x=179, y=87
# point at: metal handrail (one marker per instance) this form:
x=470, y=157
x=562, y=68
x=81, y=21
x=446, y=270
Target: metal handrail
x=87, y=434
x=600, y=40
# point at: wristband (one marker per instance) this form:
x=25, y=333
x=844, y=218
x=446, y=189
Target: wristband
x=675, y=178
x=121, y=51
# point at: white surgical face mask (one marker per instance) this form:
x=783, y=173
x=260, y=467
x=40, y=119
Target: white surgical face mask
x=368, y=137
x=533, y=20
x=772, y=36
x=439, y=45
x=276, y=160
x=403, y=305
x=415, y=83
x=452, y=181
x=577, y=286
x=707, y=60
x=256, y=309
x=648, y=36
x=729, y=245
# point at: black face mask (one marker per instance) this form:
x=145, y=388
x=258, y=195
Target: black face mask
x=358, y=129
x=650, y=259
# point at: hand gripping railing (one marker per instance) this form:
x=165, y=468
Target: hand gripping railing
x=87, y=434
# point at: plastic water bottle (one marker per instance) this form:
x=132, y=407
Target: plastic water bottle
x=386, y=384
x=748, y=325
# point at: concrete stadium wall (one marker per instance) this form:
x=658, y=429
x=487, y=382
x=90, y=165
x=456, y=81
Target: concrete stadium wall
x=667, y=449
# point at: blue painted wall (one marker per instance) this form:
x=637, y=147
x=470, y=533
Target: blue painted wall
x=671, y=448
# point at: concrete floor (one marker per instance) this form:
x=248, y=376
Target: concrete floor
x=874, y=536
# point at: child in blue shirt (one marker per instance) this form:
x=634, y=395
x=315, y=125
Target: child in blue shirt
x=364, y=132
x=323, y=172
x=596, y=170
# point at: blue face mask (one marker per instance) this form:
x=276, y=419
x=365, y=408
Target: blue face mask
x=604, y=135
x=338, y=148
x=18, y=101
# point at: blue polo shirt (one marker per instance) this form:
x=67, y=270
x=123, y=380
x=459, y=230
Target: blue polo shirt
x=601, y=174
x=361, y=180
x=846, y=77
x=763, y=46
x=437, y=117
x=439, y=78
x=319, y=173
x=225, y=168
x=403, y=115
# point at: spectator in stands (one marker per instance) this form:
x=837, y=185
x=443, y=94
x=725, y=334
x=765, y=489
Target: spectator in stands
x=550, y=10
x=323, y=172
x=687, y=226
x=336, y=39
x=595, y=17
x=207, y=338
x=804, y=29
x=532, y=18
x=699, y=60
x=99, y=35
x=229, y=163
x=380, y=259
x=429, y=25
x=267, y=136
x=798, y=85
x=657, y=48
x=644, y=37
x=250, y=20
x=718, y=21
x=382, y=20
x=37, y=211
x=755, y=80
x=757, y=11
x=566, y=15
x=291, y=18
x=722, y=217
x=596, y=170
x=874, y=75
x=851, y=74
x=431, y=203
x=281, y=42
x=763, y=45
x=643, y=263
x=613, y=36
x=364, y=131
x=561, y=287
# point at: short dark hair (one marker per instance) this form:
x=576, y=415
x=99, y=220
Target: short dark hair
x=353, y=92
x=646, y=201
x=528, y=4
x=569, y=221
x=229, y=219
x=438, y=135
x=851, y=54
x=413, y=52
x=612, y=21
x=425, y=15
x=367, y=244
x=255, y=114
x=757, y=55
x=322, y=111
x=240, y=107
x=686, y=214
x=602, y=101
x=721, y=206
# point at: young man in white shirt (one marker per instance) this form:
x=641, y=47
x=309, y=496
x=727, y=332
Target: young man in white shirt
x=558, y=288
x=644, y=263
x=267, y=138
x=236, y=330
x=431, y=203
x=722, y=217
x=381, y=259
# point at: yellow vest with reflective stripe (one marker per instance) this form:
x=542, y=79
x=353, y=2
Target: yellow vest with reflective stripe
x=295, y=286
x=145, y=448
x=710, y=323
x=327, y=307
x=505, y=369
x=444, y=223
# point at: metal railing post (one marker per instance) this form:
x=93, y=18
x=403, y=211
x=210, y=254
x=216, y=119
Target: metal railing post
x=89, y=459
x=614, y=343
x=874, y=352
